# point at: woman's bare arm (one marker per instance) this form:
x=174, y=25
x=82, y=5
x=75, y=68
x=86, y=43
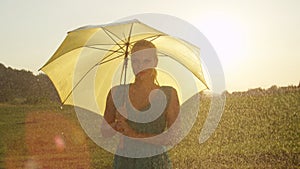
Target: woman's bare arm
x=173, y=108
x=108, y=125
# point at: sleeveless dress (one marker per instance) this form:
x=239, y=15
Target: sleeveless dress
x=142, y=151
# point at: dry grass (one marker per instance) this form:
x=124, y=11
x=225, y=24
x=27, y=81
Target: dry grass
x=254, y=132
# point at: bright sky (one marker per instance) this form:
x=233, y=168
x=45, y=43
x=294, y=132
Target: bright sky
x=257, y=41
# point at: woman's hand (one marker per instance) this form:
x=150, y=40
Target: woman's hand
x=123, y=127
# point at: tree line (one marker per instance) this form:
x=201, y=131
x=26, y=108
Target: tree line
x=23, y=87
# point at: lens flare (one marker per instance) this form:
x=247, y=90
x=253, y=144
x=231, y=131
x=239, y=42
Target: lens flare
x=59, y=143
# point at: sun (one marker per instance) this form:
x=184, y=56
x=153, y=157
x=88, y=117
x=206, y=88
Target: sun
x=227, y=36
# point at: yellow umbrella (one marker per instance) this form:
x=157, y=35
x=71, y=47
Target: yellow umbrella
x=92, y=59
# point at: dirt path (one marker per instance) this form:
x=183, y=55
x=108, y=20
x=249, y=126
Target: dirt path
x=51, y=141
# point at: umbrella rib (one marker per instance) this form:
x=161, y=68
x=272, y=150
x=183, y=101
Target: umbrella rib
x=153, y=36
x=124, y=36
x=105, y=31
x=124, y=68
x=130, y=31
x=104, y=44
x=166, y=55
x=108, y=50
x=116, y=51
x=102, y=62
x=78, y=83
x=87, y=74
x=163, y=54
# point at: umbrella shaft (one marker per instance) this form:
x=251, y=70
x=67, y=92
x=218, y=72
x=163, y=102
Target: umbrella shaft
x=126, y=60
x=125, y=68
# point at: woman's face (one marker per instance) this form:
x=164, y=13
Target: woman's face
x=143, y=61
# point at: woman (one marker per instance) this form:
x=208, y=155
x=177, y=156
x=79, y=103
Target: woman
x=142, y=95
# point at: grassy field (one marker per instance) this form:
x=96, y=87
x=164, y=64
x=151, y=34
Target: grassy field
x=256, y=131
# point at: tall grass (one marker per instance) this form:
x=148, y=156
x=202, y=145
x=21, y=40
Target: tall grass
x=256, y=131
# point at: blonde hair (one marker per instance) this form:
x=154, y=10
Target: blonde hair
x=144, y=44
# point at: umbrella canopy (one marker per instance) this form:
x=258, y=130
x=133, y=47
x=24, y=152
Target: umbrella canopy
x=92, y=59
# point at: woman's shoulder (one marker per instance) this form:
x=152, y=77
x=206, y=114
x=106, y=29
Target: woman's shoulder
x=168, y=88
x=169, y=91
x=119, y=87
